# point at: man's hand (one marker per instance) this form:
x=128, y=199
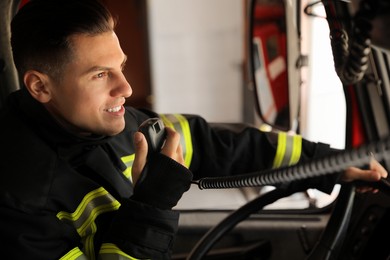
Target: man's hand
x=161, y=178
x=171, y=148
x=375, y=173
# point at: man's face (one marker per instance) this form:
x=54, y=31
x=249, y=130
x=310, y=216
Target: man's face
x=89, y=97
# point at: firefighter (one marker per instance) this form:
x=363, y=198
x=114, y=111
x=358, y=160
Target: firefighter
x=76, y=180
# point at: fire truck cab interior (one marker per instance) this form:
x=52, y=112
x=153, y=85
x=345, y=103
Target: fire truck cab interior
x=351, y=225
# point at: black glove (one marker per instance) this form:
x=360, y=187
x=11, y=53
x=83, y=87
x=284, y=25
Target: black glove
x=162, y=183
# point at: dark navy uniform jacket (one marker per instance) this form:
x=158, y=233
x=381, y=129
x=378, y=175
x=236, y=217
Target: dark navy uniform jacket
x=69, y=197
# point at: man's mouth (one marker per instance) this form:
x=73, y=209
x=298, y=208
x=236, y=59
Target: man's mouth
x=114, y=109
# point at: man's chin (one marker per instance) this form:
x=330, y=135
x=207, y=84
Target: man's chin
x=114, y=131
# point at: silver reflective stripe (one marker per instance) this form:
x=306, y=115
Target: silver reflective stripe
x=288, y=151
x=181, y=125
x=83, y=218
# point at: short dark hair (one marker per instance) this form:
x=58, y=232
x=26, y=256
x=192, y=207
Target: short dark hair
x=41, y=31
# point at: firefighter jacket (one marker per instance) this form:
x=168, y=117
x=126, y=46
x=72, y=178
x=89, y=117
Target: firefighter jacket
x=67, y=197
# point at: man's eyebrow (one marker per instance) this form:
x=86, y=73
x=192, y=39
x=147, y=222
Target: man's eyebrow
x=97, y=68
x=105, y=68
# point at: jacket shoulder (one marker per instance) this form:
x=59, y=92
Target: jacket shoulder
x=26, y=163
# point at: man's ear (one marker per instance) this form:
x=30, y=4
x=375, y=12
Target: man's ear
x=37, y=84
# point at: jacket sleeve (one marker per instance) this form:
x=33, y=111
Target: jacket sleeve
x=145, y=226
x=144, y=231
x=34, y=235
x=138, y=231
x=220, y=149
x=102, y=226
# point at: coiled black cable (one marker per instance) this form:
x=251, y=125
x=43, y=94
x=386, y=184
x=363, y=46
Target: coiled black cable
x=351, y=54
x=331, y=164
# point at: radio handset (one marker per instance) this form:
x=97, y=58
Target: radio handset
x=155, y=134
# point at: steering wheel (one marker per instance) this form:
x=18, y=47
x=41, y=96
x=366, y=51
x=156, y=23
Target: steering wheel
x=214, y=234
x=329, y=244
x=334, y=234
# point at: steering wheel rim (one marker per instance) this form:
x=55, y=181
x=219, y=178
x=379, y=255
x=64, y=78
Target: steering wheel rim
x=327, y=247
x=214, y=234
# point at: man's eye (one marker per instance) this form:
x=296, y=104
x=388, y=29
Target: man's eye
x=101, y=75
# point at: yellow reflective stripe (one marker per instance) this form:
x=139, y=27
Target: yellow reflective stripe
x=88, y=242
x=297, y=149
x=74, y=254
x=128, y=161
x=166, y=121
x=186, y=131
x=281, y=149
x=288, y=151
x=113, y=252
x=83, y=218
x=93, y=204
x=108, y=251
x=181, y=125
